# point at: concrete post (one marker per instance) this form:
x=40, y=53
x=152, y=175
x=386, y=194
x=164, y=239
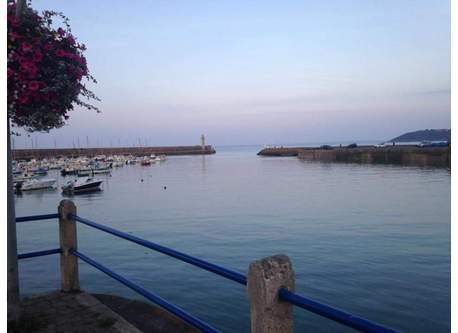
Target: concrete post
x=265, y=278
x=67, y=233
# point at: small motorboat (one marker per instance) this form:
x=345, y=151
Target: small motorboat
x=160, y=158
x=82, y=185
x=145, y=162
x=101, y=170
x=68, y=171
x=40, y=171
x=84, y=172
x=25, y=176
x=54, y=166
x=38, y=184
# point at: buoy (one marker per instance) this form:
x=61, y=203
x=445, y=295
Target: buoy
x=165, y=187
x=141, y=180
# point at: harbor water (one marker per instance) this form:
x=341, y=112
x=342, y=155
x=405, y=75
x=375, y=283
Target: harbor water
x=373, y=240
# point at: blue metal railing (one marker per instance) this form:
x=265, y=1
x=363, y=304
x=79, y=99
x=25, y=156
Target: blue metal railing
x=195, y=322
x=227, y=273
x=318, y=308
x=38, y=254
x=37, y=217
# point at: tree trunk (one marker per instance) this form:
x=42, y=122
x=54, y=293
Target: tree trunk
x=13, y=279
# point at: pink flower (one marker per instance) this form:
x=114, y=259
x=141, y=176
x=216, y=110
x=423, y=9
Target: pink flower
x=71, y=40
x=9, y=72
x=61, y=31
x=60, y=53
x=34, y=85
x=79, y=74
x=23, y=99
x=26, y=47
x=14, y=35
x=37, y=56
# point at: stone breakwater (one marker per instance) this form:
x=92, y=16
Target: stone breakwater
x=26, y=154
x=401, y=155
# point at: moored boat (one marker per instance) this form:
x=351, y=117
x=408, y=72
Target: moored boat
x=37, y=184
x=84, y=172
x=145, y=161
x=82, y=185
x=101, y=170
x=68, y=171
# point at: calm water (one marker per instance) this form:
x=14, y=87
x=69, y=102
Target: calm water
x=373, y=240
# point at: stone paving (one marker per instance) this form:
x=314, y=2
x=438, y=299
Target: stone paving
x=59, y=312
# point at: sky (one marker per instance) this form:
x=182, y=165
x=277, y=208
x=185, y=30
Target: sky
x=257, y=72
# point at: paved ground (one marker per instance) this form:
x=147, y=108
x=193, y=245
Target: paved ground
x=69, y=313
x=58, y=312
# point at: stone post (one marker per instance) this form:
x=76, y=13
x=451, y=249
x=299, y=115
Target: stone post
x=265, y=277
x=67, y=233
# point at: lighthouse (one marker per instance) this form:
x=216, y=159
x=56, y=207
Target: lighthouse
x=202, y=141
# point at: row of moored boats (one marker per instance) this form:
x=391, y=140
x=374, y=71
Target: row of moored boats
x=31, y=175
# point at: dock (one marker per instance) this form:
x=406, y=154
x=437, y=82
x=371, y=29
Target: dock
x=408, y=155
x=79, y=312
x=27, y=154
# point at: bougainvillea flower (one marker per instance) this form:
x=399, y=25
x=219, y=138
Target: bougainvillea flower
x=23, y=99
x=34, y=85
x=60, y=53
x=47, y=66
x=71, y=40
x=26, y=47
x=37, y=56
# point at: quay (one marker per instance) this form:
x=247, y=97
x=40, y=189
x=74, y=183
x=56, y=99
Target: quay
x=269, y=285
x=408, y=155
x=28, y=154
x=81, y=312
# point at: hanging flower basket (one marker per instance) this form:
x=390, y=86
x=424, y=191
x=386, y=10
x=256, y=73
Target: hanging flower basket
x=46, y=69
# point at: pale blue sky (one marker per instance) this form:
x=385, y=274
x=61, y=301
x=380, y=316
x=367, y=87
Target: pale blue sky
x=247, y=72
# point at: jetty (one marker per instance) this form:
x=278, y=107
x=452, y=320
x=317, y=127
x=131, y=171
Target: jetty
x=408, y=155
x=27, y=154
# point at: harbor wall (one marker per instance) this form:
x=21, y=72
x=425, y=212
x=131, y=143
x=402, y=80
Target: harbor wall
x=401, y=155
x=280, y=151
x=412, y=156
x=27, y=154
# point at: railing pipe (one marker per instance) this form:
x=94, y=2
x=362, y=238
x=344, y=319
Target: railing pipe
x=37, y=217
x=227, y=273
x=37, y=253
x=193, y=321
x=337, y=315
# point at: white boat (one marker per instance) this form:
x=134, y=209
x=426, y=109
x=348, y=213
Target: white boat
x=84, y=172
x=25, y=176
x=38, y=184
x=101, y=170
x=55, y=166
x=82, y=185
x=160, y=158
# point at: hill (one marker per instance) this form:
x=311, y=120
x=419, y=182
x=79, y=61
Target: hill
x=424, y=135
